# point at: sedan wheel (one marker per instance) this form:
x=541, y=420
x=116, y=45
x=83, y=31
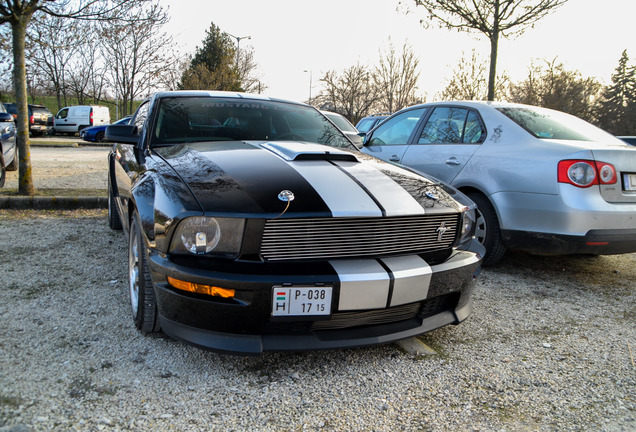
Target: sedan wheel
x=487, y=230
x=142, y=295
x=3, y=173
x=100, y=137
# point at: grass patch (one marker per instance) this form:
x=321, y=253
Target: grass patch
x=50, y=143
x=52, y=192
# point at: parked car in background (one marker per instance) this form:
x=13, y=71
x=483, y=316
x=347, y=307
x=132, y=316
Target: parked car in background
x=631, y=140
x=544, y=181
x=8, y=147
x=71, y=120
x=345, y=126
x=369, y=122
x=255, y=225
x=97, y=133
x=40, y=118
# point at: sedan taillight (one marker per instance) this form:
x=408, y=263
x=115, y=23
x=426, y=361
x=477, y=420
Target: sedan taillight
x=32, y=120
x=585, y=173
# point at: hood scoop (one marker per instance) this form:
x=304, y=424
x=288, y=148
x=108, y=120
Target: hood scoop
x=295, y=151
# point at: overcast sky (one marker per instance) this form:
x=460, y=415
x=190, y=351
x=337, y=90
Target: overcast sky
x=290, y=37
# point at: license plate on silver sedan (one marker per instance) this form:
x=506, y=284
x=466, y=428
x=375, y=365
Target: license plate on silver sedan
x=630, y=182
x=301, y=301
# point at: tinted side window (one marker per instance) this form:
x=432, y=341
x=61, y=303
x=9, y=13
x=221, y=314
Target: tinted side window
x=396, y=131
x=451, y=125
x=474, y=131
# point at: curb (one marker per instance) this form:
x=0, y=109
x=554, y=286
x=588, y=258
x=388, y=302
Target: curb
x=53, y=203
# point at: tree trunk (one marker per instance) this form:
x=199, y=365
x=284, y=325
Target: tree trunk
x=25, y=178
x=494, y=45
x=492, y=76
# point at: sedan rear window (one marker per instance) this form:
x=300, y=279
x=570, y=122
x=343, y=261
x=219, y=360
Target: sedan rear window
x=548, y=124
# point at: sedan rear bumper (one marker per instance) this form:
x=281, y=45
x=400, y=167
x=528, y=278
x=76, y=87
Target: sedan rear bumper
x=595, y=242
x=245, y=323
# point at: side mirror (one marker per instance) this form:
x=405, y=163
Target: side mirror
x=6, y=117
x=366, y=138
x=126, y=134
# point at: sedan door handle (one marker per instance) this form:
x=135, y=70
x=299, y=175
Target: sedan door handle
x=453, y=161
x=394, y=158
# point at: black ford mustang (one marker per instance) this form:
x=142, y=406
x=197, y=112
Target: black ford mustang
x=255, y=225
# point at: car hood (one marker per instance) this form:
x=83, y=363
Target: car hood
x=257, y=178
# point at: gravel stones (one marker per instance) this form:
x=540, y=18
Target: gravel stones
x=547, y=349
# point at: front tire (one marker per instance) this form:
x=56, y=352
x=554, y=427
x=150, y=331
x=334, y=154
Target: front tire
x=488, y=231
x=142, y=294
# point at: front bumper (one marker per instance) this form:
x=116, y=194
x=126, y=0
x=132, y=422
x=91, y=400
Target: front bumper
x=245, y=324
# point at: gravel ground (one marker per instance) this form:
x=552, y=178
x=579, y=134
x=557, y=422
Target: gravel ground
x=548, y=348
x=66, y=167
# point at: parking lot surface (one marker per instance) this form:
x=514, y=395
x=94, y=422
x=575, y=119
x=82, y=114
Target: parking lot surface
x=66, y=168
x=549, y=347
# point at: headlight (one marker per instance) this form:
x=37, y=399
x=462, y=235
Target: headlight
x=469, y=217
x=207, y=235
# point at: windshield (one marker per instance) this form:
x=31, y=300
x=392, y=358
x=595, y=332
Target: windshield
x=193, y=119
x=549, y=124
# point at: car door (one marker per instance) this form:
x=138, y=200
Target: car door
x=446, y=142
x=61, y=121
x=7, y=136
x=390, y=140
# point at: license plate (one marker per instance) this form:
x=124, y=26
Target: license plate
x=301, y=301
x=630, y=182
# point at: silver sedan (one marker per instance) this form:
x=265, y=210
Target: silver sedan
x=544, y=181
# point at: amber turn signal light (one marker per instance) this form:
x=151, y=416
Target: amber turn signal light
x=200, y=288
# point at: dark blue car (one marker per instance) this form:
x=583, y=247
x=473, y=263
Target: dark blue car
x=96, y=133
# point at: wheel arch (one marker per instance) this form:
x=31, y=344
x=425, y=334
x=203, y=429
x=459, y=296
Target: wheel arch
x=467, y=190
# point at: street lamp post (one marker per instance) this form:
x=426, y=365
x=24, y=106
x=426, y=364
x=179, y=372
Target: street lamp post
x=310, y=84
x=238, y=46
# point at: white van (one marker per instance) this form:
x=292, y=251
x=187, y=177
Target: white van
x=75, y=118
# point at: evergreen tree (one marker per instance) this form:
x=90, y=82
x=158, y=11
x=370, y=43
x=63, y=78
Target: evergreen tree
x=213, y=66
x=616, y=112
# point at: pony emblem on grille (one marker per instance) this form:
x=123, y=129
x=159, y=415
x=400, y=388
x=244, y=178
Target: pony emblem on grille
x=441, y=231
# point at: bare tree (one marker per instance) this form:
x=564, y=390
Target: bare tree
x=136, y=54
x=246, y=68
x=553, y=86
x=470, y=80
x=86, y=72
x=493, y=18
x=352, y=93
x=18, y=15
x=53, y=44
x=396, y=78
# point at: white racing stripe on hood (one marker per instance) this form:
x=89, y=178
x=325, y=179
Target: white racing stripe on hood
x=343, y=196
x=395, y=200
